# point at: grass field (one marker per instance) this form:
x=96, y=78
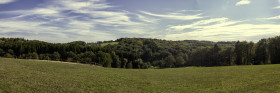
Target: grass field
x=18, y=75
x=111, y=43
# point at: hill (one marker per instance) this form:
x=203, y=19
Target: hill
x=142, y=53
x=19, y=75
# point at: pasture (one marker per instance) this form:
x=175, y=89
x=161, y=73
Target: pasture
x=21, y=75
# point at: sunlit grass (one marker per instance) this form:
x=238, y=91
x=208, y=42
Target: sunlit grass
x=111, y=43
x=18, y=75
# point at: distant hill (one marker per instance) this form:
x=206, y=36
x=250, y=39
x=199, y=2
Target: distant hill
x=146, y=52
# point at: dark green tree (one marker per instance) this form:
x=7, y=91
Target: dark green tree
x=170, y=62
x=180, y=61
x=261, y=52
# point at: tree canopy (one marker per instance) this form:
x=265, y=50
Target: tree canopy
x=147, y=53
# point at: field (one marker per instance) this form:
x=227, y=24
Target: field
x=18, y=75
x=111, y=43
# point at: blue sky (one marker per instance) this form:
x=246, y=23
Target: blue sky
x=98, y=20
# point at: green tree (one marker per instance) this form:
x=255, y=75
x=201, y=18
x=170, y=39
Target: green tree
x=261, y=52
x=71, y=54
x=180, y=61
x=10, y=51
x=129, y=65
x=138, y=63
x=8, y=55
x=104, y=59
x=2, y=52
x=116, y=61
x=108, y=60
x=215, y=58
x=274, y=49
x=55, y=56
x=33, y=55
x=244, y=53
x=124, y=62
x=170, y=61
x=228, y=56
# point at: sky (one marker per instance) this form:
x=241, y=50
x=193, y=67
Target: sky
x=61, y=21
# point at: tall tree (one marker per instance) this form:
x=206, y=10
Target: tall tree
x=262, y=53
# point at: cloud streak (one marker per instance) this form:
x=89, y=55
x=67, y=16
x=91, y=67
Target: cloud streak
x=205, y=24
x=243, y=2
x=272, y=18
x=72, y=18
x=174, y=16
x=277, y=7
x=6, y=1
x=224, y=29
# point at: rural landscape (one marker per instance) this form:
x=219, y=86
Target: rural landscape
x=139, y=46
x=21, y=75
x=143, y=53
x=139, y=65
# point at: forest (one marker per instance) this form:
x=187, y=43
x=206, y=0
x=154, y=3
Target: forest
x=143, y=53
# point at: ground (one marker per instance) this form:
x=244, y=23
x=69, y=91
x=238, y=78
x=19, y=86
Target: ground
x=21, y=75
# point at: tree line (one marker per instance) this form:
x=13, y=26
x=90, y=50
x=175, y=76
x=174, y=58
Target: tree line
x=147, y=53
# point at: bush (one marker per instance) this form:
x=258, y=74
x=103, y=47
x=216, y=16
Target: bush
x=44, y=57
x=8, y=55
x=69, y=59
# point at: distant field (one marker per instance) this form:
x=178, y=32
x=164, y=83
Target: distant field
x=17, y=75
x=111, y=43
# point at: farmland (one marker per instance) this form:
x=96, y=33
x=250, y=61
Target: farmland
x=21, y=75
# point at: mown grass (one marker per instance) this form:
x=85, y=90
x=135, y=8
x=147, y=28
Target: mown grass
x=18, y=75
x=111, y=43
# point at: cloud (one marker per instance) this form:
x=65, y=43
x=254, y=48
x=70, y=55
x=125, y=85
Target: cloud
x=229, y=33
x=174, y=16
x=77, y=5
x=224, y=29
x=277, y=7
x=6, y=1
x=147, y=19
x=71, y=20
x=203, y=24
x=37, y=11
x=243, y=2
x=272, y=18
x=97, y=20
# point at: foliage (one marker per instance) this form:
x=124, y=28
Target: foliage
x=144, y=52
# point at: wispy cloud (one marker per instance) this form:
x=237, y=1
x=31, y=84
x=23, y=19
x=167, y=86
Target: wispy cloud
x=36, y=11
x=147, y=19
x=272, y=18
x=243, y=2
x=94, y=20
x=6, y=1
x=218, y=22
x=226, y=30
x=229, y=33
x=277, y=7
x=72, y=18
x=174, y=16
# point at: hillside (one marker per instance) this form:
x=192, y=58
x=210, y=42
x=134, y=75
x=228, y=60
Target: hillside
x=18, y=75
x=143, y=53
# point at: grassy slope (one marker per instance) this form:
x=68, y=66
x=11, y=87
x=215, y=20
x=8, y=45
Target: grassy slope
x=41, y=76
x=111, y=43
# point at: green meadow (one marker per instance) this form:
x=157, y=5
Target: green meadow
x=111, y=43
x=21, y=75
